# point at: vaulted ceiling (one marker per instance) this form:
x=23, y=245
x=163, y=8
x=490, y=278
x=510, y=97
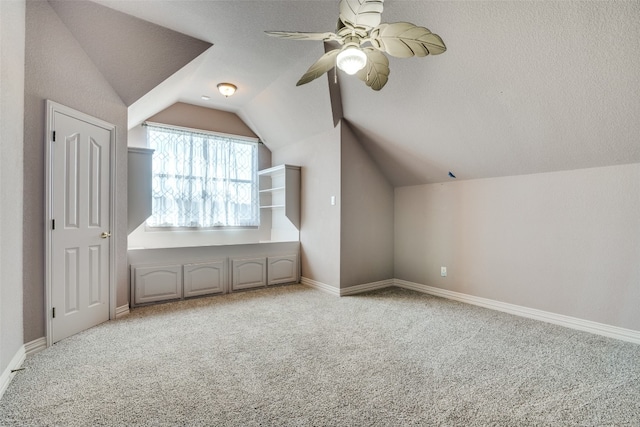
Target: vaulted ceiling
x=524, y=87
x=133, y=55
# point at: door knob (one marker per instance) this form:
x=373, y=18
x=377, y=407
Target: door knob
x=104, y=235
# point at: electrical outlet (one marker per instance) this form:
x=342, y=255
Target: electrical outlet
x=443, y=271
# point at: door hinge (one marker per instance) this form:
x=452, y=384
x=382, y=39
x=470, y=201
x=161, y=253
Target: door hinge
x=54, y=136
x=53, y=312
x=53, y=224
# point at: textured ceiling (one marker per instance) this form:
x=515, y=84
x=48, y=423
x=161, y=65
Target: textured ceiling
x=524, y=87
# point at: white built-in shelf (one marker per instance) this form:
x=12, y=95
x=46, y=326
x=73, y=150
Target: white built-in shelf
x=280, y=189
x=270, y=190
x=277, y=170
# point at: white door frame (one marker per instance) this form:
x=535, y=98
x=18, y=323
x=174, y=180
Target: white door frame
x=52, y=108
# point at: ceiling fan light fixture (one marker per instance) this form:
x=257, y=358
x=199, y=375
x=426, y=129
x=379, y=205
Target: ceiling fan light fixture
x=360, y=23
x=351, y=60
x=227, y=89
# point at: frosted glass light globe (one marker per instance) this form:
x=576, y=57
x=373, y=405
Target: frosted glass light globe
x=351, y=60
x=227, y=89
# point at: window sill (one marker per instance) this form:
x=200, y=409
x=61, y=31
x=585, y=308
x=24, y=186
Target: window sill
x=191, y=229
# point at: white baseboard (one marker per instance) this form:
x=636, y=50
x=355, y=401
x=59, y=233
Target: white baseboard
x=7, y=375
x=616, y=332
x=531, y=313
x=320, y=286
x=122, y=311
x=35, y=346
x=353, y=290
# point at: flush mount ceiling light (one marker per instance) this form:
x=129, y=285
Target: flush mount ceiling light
x=227, y=89
x=351, y=60
x=360, y=30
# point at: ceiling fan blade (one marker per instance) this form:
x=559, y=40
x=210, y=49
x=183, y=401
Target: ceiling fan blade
x=376, y=73
x=302, y=35
x=403, y=40
x=363, y=14
x=321, y=66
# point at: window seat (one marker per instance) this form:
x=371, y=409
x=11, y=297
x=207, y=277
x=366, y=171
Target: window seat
x=163, y=274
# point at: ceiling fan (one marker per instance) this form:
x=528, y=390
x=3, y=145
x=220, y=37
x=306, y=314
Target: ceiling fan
x=359, y=24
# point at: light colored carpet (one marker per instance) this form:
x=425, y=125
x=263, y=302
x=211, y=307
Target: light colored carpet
x=294, y=356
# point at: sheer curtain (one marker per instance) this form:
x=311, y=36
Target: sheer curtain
x=203, y=180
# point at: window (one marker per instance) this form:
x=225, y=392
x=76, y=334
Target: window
x=203, y=180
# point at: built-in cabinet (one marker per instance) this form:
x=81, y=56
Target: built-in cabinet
x=280, y=195
x=282, y=269
x=157, y=283
x=172, y=273
x=249, y=273
x=257, y=272
x=204, y=278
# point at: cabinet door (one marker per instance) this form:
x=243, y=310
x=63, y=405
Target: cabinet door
x=249, y=273
x=157, y=283
x=204, y=278
x=282, y=269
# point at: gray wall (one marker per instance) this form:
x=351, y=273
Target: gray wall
x=197, y=117
x=563, y=242
x=58, y=69
x=12, y=33
x=366, y=224
x=319, y=157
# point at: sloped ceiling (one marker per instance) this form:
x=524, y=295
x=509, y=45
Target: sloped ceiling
x=524, y=87
x=133, y=55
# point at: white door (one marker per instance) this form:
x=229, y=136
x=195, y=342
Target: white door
x=80, y=227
